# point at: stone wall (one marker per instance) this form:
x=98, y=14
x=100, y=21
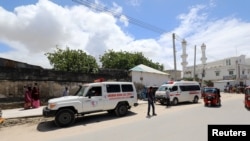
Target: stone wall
x=51, y=83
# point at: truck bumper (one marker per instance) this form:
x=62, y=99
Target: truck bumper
x=48, y=113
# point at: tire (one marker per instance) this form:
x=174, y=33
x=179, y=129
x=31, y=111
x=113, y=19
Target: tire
x=121, y=110
x=219, y=103
x=175, y=101
x=64, y=118
x=196, y=99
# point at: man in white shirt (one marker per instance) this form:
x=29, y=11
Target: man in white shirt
x=167, y=97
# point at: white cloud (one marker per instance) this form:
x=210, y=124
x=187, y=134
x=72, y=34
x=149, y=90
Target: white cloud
x=41, y=27
x=33, y=30
x=222, y=37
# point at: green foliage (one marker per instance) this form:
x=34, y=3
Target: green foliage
x=209, y=83
x=188, y=78
x=72, y=61
x=126, y=60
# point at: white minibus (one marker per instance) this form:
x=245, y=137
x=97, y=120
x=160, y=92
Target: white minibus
x=180, y=91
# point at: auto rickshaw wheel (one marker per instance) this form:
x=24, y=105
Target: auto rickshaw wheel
x=219, y=103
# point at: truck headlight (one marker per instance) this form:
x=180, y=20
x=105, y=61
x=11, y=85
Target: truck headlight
x=52, y=105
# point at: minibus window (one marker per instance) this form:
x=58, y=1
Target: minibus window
x=174, y=88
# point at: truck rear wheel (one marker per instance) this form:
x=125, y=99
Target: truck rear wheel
x=121, y=110
x=65, y=117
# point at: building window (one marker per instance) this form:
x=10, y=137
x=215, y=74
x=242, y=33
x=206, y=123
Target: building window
x=228, y=62
x=217, y=73
x=231, y=72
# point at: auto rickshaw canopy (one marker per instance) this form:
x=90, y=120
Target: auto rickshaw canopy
x=247, y=90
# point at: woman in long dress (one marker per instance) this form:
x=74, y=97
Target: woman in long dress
x=35, y=97
x=27, y=98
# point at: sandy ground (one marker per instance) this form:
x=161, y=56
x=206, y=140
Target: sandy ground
x=46, y=129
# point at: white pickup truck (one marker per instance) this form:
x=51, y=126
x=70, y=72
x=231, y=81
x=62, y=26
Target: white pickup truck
x=114, y=97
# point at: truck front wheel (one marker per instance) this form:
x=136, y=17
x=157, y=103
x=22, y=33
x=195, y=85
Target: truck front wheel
x=65, y=117
x=121, y=110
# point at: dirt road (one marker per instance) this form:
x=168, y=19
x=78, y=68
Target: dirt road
x=45, y=129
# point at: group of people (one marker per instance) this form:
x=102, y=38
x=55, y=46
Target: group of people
x=32, y=97
x=151, y=100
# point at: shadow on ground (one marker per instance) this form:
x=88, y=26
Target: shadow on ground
x=86, y=120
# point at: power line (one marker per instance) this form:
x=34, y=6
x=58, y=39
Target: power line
x=132, y=20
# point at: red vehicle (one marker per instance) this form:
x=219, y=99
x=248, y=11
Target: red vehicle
x=211, y=96
x=247, y=97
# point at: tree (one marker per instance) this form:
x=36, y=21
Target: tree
x=126, y=60
x=72, y=61
x=209, y=83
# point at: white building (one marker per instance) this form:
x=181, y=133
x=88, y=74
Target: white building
x=148, y=76
x=233, y=68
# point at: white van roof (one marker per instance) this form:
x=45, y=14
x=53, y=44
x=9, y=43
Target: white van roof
x=108, y=82
x=181, y=82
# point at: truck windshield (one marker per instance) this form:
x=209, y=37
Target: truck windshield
x=80, y=91
x=163, y=88
x=210, y=90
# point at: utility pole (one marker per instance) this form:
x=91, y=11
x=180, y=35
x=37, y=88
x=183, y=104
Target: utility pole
x=174, y=56
x=194, y=61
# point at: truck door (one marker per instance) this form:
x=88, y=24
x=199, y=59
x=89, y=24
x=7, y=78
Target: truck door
x=93, y=100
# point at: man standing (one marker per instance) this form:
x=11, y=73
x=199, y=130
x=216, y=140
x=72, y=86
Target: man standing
x=65, y=92
x=167, y=97
x=151, y=101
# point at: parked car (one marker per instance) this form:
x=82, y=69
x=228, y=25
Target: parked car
x=113, y=97
x=180, y=91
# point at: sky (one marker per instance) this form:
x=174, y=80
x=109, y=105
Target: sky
x=31, y=28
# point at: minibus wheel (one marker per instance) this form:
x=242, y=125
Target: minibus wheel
x=175, y=101
x=196, y=99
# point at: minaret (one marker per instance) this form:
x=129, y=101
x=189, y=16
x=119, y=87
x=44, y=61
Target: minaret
x=184, y=56
x=203, y=57
x=203, y=60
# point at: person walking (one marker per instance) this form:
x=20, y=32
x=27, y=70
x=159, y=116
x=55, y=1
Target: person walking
x=167, y=97
x=151, y=102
